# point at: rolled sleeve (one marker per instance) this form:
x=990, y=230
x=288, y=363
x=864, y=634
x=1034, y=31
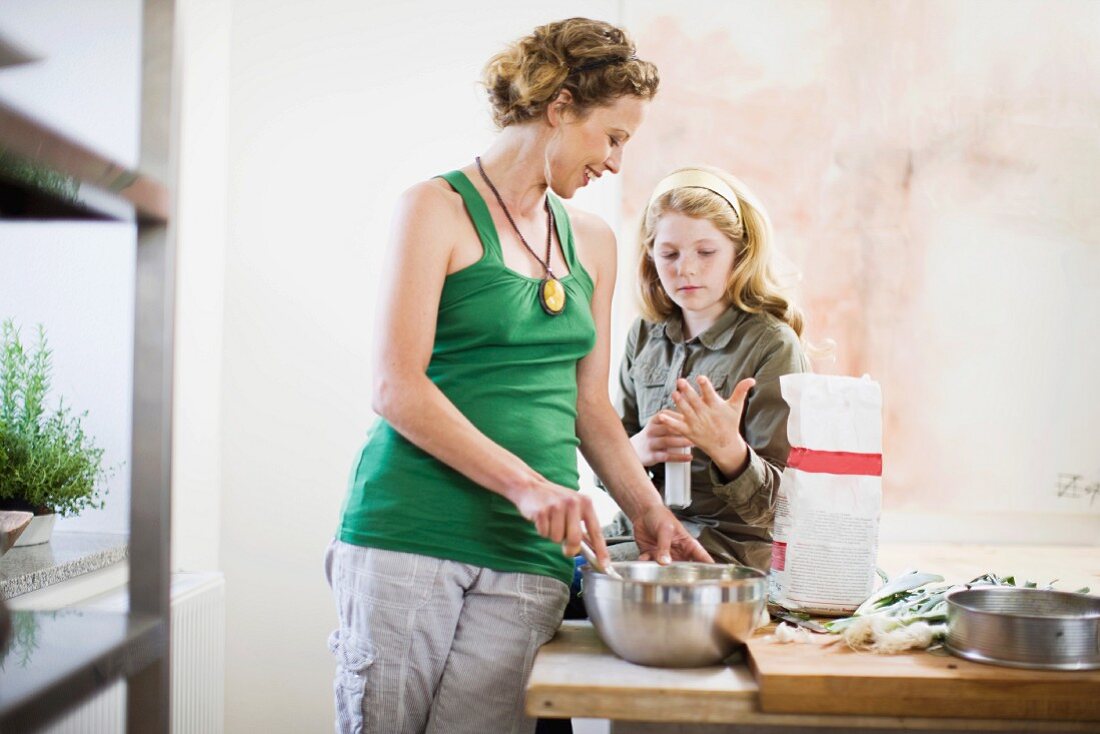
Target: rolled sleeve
x=751, y=494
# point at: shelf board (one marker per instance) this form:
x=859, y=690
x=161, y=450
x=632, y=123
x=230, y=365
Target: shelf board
x=13, y=55
x=47, y=175
x=57, y=659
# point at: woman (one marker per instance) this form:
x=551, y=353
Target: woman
x=454, y=552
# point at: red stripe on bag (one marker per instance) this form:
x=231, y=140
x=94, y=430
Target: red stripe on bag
x=779, y=556
x=835, y=462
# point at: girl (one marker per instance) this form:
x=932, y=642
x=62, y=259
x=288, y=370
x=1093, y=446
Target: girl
x=453, y=555
x=702, y=366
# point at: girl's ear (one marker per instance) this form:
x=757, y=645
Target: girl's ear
x=557, y=110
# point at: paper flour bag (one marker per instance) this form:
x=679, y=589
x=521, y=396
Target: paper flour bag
x=827, y=512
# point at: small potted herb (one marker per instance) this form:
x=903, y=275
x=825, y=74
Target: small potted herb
x=48, y=464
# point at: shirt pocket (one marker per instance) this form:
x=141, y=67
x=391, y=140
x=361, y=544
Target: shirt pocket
x=720, y=378
x=650, y=387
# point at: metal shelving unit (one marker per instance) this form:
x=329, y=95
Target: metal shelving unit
x=81, y=653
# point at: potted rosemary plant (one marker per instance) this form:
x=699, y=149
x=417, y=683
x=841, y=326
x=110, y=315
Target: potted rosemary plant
x=48, y=464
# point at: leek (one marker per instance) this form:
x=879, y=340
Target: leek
x=880, y=622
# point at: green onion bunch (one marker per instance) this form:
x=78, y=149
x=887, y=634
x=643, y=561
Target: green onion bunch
x=910, y=597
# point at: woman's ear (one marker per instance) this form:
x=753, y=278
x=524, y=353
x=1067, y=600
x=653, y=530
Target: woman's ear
x=557, y=111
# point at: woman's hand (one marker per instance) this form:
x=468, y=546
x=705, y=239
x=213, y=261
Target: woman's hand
x=660, y=536
x=653, y=442
x=558, y=512
x=710, y=422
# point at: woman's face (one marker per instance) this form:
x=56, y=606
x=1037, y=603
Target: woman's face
x=587, y=149
x=694, y=261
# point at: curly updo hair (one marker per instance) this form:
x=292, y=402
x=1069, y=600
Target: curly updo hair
x=594, y=60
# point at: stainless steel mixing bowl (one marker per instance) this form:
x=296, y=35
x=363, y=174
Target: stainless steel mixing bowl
x=683, y=615
x=1024, y=628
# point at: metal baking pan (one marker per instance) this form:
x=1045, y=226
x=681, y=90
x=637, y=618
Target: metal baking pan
x=1024, y=628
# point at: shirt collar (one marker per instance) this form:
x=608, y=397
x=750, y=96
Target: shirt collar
x=716, y=337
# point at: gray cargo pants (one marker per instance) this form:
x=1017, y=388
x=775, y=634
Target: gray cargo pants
x=436, y=646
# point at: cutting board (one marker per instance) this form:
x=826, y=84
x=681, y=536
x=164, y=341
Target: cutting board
x=802, y=678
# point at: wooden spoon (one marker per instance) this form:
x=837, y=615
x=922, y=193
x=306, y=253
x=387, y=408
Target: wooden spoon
x=590, y=556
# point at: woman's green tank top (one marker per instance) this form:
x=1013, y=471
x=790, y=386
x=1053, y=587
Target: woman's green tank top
x=512, y=370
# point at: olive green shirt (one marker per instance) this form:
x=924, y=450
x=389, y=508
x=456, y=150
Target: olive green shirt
x=731, y=516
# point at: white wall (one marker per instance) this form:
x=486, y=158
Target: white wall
x=77, y=280
x=203, y=55
x=86, y=84
x=335, y=107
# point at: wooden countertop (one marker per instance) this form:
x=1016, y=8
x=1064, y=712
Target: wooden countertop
x=575, y=675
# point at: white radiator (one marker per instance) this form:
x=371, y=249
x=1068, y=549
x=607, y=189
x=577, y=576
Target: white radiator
x=198, y=654
x=104, y=713
x=197, y=665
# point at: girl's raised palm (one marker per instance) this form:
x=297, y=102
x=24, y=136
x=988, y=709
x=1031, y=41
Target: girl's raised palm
x=708, y=420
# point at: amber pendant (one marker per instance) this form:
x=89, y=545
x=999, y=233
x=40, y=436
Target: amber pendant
x=552, y=296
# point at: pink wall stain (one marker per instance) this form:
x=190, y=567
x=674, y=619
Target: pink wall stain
x=912, y=115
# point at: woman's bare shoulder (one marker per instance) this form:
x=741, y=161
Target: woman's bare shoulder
x=595, y=242
x=423, y=227
x=428, y=214
x=432, y=198
x=590, y=230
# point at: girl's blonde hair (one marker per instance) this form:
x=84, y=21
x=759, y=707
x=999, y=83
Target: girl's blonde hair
x=752, y=285
x=592, y=59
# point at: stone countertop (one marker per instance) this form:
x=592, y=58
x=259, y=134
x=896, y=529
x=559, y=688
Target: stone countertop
x=67, y=555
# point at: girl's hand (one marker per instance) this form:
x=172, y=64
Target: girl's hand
x=558, y=512
x=711, y=423
x=653, y=442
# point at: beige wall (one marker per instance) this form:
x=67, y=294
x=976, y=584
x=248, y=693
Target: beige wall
x=930, y=183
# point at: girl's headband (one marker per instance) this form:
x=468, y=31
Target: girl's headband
x=700, y=179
